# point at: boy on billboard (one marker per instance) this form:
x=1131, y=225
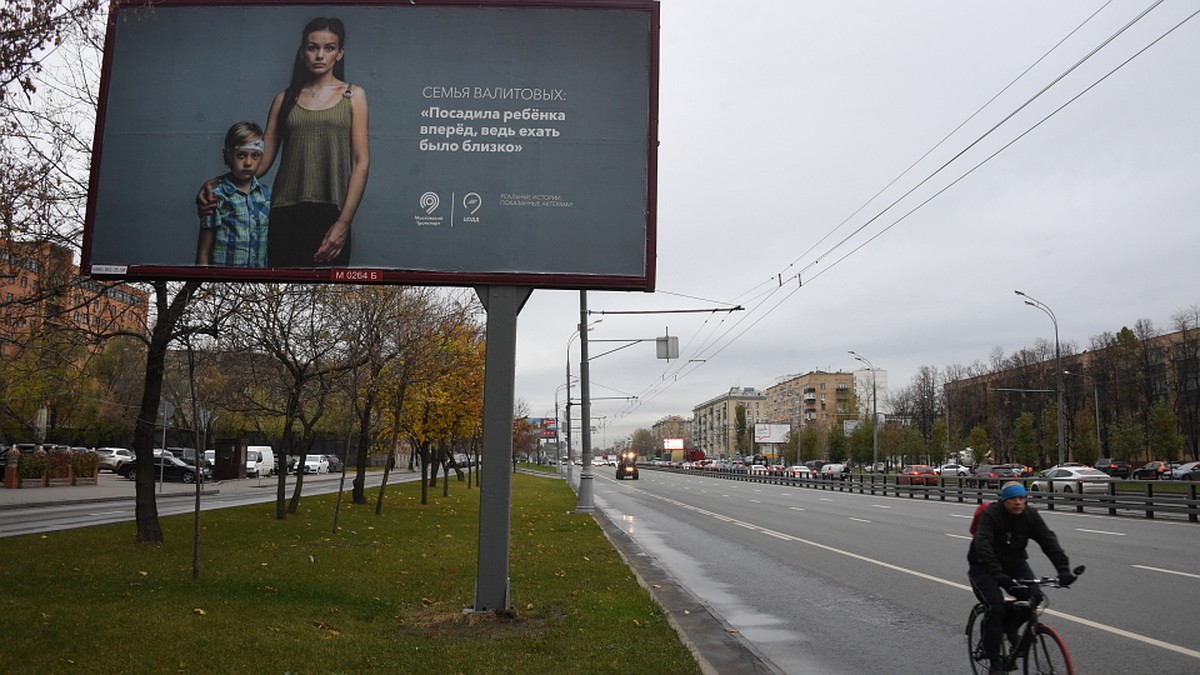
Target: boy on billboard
x=234, y=233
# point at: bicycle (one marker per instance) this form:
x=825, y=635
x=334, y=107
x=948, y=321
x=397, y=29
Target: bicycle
x=1038, y=648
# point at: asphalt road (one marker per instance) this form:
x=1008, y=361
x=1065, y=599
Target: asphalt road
x=818, y=581
x=111, y=501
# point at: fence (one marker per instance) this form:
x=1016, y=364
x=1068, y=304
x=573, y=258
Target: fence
x=1148, y=498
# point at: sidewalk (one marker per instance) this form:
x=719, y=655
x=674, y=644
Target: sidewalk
x=111, y=487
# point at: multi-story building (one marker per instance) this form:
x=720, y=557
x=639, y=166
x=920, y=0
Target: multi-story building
x=1108, y=396
x=40, y=284
x=672, y=426
x=816, y=399
x=715, y=423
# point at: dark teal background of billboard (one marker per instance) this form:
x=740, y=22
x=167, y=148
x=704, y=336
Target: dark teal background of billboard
x=179, y=76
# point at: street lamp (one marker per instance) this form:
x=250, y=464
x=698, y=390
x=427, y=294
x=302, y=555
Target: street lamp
x=874, y=408
x=1058, y=379
x=570, y=452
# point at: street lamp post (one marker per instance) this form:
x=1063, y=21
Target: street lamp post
x=570, y=452
x=874, y=408
x=1058, y=379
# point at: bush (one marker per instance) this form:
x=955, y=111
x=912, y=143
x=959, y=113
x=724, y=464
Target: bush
x=33, y=464
x=60, y=464
x=84, y=464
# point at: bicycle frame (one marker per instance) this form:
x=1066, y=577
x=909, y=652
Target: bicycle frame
x=1039, y=649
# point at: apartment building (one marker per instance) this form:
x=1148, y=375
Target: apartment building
x=715, y=422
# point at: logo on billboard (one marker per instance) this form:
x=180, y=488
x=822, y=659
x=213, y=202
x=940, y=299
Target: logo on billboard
x=430, y=201
x=471, y=202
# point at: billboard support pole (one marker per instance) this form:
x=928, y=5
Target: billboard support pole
x=503, y=304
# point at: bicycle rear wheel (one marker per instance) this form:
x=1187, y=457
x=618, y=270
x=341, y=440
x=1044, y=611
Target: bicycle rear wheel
x=1048, y=654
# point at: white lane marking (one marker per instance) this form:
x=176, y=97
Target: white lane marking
x=826, y=499
x=795, y=508
x=755, y=501
x=960, y=515
x=859, y=520
x=1165, y=571
x=880, y=506
x=1115, y=534
x=1153, y=642
x=959, y=536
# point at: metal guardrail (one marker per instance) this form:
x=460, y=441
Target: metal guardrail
x=1145, y=500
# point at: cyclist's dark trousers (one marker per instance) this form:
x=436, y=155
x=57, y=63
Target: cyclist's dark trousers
x=1000, y=617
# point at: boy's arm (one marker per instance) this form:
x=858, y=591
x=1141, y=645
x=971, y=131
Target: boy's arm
x=205, y=246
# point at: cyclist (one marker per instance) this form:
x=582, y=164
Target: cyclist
x=997, y=556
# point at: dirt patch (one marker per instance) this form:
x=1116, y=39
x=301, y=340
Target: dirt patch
x=441, y=623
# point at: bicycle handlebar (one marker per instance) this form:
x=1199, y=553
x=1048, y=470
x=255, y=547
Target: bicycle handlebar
x=1052, y=582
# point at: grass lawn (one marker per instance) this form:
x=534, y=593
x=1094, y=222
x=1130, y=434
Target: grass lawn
x=385, y=594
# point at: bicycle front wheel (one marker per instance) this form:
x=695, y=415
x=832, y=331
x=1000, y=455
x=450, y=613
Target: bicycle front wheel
x=1048, y=654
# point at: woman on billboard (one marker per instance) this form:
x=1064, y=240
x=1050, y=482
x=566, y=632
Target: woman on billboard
x=318, y=125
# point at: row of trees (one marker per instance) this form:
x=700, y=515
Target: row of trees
x=1133, y=395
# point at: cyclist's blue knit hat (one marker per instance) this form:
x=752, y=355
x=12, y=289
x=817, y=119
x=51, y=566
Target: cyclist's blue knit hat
x=1010, y=491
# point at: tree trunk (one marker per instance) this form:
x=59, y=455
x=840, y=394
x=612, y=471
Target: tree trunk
x=149, y=530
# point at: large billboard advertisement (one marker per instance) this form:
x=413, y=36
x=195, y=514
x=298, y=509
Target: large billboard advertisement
x=771, y=433
x=508, y=142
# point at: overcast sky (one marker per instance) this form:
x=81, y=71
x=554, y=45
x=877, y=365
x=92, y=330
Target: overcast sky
x=780, y=121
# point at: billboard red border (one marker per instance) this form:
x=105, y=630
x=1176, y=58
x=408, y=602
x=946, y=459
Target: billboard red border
x=644, y=282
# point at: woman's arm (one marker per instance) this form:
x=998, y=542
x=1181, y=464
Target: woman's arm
x=360, y=165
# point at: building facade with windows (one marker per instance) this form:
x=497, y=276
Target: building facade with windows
x=816, y=399
x=715, y=425
x=40, y=285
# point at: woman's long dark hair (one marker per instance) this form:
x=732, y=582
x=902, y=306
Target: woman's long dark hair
x=300, y=72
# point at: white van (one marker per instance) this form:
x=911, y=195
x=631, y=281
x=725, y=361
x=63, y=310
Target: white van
x=260, y=461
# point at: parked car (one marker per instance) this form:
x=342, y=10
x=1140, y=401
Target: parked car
x=917, y=474
x=336, y=464
x=992, y=475
x=758, y=470
x=1187, y=471
x=169, y=467
x=799, y=472
x=113, y=458
x=954, y=470
x=1117, y=468
x=1068, y=479
x=1152, y=471
x=316, y=464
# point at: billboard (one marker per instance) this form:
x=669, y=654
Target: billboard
x=544, y=427
x=672, y=444
x=771, y=433
x=508, y=142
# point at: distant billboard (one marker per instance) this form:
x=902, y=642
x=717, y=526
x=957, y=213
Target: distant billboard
x=672, y=444
x=771, y=433
x=544, y=427
x=509, y=142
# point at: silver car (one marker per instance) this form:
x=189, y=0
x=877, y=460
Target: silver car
x=113, y=458
x=1071, y=478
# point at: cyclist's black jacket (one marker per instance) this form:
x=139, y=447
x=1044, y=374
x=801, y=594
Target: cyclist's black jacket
x=1000, y=539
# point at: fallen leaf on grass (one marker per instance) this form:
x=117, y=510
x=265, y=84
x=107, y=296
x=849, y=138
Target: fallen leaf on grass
x=199, y=612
